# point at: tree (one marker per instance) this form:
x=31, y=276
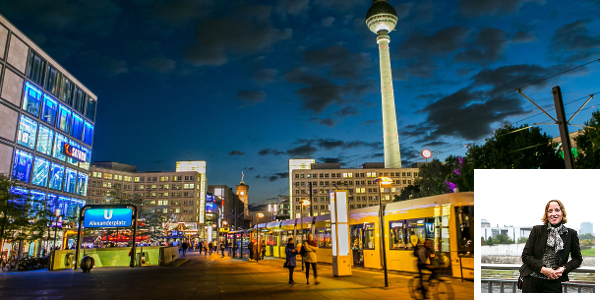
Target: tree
x=461, y=173
x=409, y=192
x=522, y=240
x=489, y=241
x=588, y=144
x=586, y=236
x=432, y=179
x=512, y=149
x=503, y=239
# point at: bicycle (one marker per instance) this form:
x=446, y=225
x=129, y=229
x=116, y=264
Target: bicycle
x=437, y=288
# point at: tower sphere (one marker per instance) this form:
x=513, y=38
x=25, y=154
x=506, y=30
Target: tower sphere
x=381, y=16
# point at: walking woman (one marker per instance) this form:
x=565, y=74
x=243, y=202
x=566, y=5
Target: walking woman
x=310, y=258
x=547, y=250
x=290, y=258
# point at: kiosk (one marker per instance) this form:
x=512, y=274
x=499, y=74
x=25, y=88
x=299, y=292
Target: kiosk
x=340, y=234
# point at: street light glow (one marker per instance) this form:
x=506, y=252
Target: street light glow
x=385, y=180
x=260, y=215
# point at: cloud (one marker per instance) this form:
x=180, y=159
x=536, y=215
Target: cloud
x=488, y=47
x=265, y=76
x=160, y=64
x=371, y=122
x=251, y=97
x=476, y=8
x=327, y=122
x=348, y=111
x=244, y=31
x=249, y=168
x=264, y=152
x=435, y=144
x=305, y=150
x=522, y=36
x=327, y=21
x=329, y=160
x=443, y=41
x=235, y=152
x=274, y=176
x=573, y=42
x=341, y=5
x=106, y=65
x=329, y=144
x=420, y=68
x=341, y=62
x=175, y=12
x=294, y=7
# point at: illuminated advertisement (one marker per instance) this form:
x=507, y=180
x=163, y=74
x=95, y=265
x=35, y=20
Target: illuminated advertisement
x=73, y=152
x=110, y=217
x=211, y=208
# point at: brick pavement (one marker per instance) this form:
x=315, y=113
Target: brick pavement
x=205, y=277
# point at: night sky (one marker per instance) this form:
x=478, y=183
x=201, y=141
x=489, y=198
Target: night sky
x=246, y=85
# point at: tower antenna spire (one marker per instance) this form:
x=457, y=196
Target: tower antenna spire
x=242, y=182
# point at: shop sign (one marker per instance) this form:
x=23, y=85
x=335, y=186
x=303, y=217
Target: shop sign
x=396, y=224
x=109, y=217
x=73, y=152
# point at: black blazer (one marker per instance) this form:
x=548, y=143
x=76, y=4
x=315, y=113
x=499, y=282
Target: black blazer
x=536, y=246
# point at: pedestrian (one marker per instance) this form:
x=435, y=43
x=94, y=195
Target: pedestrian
x=290, y=258
x=263, y=251
x=222, y=249
x=250, y=249
x=210, y=247
x=310, y=257
x=184, y=247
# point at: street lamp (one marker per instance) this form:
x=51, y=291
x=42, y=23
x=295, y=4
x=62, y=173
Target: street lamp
x=57, y=215
x=303, y=203
x=258, y=216
x=383, y=181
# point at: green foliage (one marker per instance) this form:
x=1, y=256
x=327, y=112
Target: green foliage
x=511, y=149
x=409, y=192
x=499, y=239
x=522, y=240
x=586, y=236
x=588, y=144
x=432, y=179
x=461, y=173
x=489, y=241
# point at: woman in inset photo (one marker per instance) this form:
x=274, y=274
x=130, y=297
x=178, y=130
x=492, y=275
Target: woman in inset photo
x=546, y=252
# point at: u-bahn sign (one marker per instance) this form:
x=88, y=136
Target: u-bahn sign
x=108, y=217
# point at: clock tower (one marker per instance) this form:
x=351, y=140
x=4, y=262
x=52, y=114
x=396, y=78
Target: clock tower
x=241, y=190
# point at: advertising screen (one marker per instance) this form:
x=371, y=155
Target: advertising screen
x=211, y=207
x=108, y=217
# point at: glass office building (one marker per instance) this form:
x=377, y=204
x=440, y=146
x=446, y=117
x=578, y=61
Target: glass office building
x=42, y=109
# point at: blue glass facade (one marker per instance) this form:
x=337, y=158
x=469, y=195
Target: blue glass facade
x=37, y=202
x=57, y=150
x=49, y=110
x=27, y=132
x=45, y=137
x=64, y=118
x=70, y=180
x=56, y=176
x=88, y=133
x=76, y=127
x=22, y=166
x=32, y=98
x=41, y=168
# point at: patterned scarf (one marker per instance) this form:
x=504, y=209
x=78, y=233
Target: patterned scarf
x=554, y=239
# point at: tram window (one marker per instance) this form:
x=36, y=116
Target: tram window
x=369, y=239
x=464, y=228
x=324, y=237
x=397, y=235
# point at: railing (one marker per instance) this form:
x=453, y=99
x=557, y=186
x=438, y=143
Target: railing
x=513, y=282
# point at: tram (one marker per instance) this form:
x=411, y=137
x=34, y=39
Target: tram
x=446, y=219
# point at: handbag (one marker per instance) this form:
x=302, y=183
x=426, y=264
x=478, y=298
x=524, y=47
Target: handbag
x=520, y=282
x=285, y=264
x=302, y=251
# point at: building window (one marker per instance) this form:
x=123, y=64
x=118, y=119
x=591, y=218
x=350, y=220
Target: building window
x=37, y=66
x=52, y=80
x=78, y=99
x=49, y=110
x=32, y=99
x=41, y=168
x=127, y=178
x=27, y=132
x=66, y=90
x=90, y=110
x=107, y=184
x=64, y=116
x=404, y=181
x=22, y=166
x=408, y=174
x=108, y=176
x=82, y=184
x=166, y=178
x=70, y=180
x=76, y=127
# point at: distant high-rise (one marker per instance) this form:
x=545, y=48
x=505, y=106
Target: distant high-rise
x=586, y=227
x=381, y=19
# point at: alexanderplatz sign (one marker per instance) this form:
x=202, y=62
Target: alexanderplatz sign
x=107, y=216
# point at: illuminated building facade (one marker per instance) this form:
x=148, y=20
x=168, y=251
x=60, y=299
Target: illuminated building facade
x=232, y=208
x=46, y=124
x=360, y=183
x=241, y=190
x=177, y=195
x=296, y=164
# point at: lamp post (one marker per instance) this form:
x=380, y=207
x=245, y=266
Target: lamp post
x=258, y=216
x=57, y=215
x=302, y=204
x=383, y=181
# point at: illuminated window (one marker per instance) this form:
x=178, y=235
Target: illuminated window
x=76, y=127
x=127, y=178
x=52, y=80
x=66, y=90
x=90, y=109
x=108, y=176
x=165, y=178
x=22, y=166
x=70, y=180
x=79, y=99
x=56, y=176
x=27, y=132
x=49, y=110
x=107, y=184
x=82, y=184
x=64, y=117
x=45, y=137
x=137, y=179
x=41, y=169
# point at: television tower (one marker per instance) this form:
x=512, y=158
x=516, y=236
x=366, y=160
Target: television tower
x=381, y=19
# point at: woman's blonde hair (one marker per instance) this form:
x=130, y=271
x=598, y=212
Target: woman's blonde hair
x=562, y=208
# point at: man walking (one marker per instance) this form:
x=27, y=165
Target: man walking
x=250, y=250
x=184, y=247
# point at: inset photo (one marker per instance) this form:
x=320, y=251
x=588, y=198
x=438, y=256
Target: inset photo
x=536, y=232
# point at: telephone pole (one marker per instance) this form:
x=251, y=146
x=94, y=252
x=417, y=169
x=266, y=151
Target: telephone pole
x=562, y=127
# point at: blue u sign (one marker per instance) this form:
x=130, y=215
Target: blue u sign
x=108, y=217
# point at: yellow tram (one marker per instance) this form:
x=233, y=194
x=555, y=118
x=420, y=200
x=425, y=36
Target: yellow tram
x=446, y=219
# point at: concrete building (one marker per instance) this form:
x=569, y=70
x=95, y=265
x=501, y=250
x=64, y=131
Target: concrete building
x=177, y=195
x=363, y=191
x=283, y=208
x=46, y=124
x=513, y=233
x=232, y=208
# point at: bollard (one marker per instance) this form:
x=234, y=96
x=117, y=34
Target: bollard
x=87, y=263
